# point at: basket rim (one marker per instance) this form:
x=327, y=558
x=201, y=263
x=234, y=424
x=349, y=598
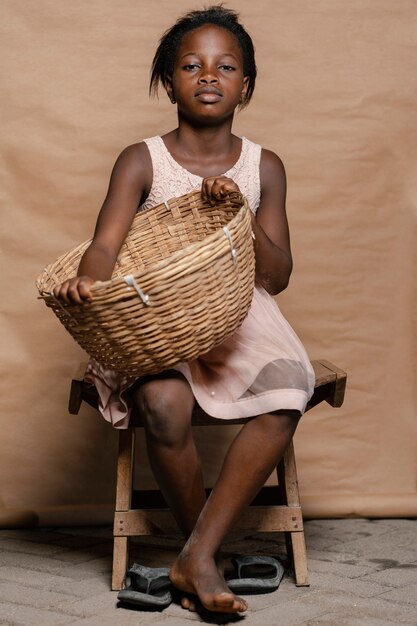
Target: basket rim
x=173, y=258
x=100, y=286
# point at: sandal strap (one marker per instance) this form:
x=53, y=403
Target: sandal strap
x=148, y=579
x=242, y=562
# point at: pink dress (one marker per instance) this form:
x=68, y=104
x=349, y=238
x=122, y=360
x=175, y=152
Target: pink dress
x=263, y=366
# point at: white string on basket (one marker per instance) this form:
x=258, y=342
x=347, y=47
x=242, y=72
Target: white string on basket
x=131, y=282
x=229, y=237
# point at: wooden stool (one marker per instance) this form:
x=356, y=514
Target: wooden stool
x=275, y=509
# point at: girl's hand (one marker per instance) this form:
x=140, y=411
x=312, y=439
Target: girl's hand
x=75, y=290
x=216, y=187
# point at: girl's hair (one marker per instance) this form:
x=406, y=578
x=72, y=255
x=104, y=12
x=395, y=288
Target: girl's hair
x=165, y=55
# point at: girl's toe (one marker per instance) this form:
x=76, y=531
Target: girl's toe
x=188, y=604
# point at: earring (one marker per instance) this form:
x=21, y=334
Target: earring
x=172, y=99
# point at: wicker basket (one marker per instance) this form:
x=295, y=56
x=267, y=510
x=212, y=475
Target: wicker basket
x=182, y=283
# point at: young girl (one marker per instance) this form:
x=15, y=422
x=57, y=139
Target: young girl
x=206, y=64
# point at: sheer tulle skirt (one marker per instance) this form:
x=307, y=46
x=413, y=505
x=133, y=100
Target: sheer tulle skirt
x=261, y=368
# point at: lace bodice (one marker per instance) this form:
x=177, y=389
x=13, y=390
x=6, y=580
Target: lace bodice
x=171, y=180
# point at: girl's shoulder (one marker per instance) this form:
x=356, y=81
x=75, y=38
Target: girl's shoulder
x=132, y=170
x=268, y=158
x=134, y=159
x=134, y=152
x=271, y=165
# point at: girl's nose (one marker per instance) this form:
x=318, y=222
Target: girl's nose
x=207, y=78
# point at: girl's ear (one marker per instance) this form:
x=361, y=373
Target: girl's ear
x=244, y=90
x=170, y=90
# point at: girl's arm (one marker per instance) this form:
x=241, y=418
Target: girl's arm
x=129, y=185
x=270, y=227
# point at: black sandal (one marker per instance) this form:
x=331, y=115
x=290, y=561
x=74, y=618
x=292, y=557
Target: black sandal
x=149, y=588
x=255, y=574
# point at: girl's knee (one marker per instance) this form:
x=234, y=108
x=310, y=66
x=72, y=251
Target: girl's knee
x=166, y=419
x=281, y=421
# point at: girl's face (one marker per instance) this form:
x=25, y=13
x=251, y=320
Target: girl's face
x=208, y=81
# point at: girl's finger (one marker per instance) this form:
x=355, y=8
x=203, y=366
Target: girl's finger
x=219, y=188
x=73, y=294
x=74, y=291
x=216, y=187
x=84, y=290
x=229, y=186
x=62, y=292
x=206, y=188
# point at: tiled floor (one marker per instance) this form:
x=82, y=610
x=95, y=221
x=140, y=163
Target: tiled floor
x=363, y=573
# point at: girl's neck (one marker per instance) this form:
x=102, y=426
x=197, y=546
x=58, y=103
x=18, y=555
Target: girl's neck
x=190, y=141
x=203, y=153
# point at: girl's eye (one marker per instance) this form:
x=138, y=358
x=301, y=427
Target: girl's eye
x=228, y=68
x=190, y=66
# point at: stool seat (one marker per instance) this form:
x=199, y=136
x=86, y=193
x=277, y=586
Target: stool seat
x=275, y=508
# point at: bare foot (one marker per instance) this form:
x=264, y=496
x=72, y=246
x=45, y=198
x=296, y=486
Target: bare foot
x=190, y=602
x=201, y=576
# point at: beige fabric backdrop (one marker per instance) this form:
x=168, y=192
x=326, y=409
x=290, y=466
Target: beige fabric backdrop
x=336, y=99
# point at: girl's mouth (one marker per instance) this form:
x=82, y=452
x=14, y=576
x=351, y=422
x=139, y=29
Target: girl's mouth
x=208, y=94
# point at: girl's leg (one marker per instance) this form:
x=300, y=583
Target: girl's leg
x=251, y=458
x=165, y=404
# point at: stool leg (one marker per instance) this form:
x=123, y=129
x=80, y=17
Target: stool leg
x=295, y=541
x=299, y=554
x=283, y=502
x=124, y=483
x=120, y=561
